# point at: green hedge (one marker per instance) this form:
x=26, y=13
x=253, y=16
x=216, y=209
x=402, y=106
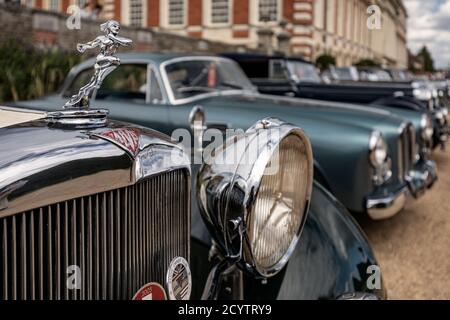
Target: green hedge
x=27, y=73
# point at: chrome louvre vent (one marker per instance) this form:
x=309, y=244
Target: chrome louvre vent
x=113, y=242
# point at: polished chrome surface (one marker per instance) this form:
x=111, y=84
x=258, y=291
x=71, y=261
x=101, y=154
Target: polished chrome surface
x=106, y=62
x=197, y=122
x=41, y=165
x=79, y=118
x=407, y=151
x=120, y=239
x=387, y=206
x=227, y=191
x=382, y=171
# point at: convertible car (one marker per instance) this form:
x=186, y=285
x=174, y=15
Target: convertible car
x=280, y=75
x=97, y=209
x=369, y=159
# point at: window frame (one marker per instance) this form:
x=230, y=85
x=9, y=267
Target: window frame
x=255, y=14
x=208, y=14
x=166, y=14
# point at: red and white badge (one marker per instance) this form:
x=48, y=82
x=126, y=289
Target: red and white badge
x=151, y=291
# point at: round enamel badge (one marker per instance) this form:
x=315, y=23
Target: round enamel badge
x=179, y=280
x=151, y=291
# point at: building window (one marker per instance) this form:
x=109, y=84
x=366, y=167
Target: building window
x=53, y=5
x=176, y=12
x=268, y=10
x=81, y=3
x=136, y=13
x=220, y=11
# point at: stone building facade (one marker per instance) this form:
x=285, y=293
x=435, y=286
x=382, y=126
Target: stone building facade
x=314, y=27
x=47, y=30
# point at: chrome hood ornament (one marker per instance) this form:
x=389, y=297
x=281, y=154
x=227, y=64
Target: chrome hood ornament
x=106, y=62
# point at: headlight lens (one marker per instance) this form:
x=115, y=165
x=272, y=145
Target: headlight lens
x=275, y=220
x=445, y=111
x=378, y=149
x=427, y=128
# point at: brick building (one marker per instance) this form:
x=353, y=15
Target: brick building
x=314, y=27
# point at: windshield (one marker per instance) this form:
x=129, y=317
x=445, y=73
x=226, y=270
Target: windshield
x=349, y=73
x=195, y=77
x=301, y=71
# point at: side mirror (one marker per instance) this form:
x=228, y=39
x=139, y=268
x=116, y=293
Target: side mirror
x=197, y=125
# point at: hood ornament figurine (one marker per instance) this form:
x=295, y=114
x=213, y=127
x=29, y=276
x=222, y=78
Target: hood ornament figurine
x=106, y=62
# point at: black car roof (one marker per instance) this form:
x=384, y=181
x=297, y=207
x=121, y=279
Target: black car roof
x=260, y=56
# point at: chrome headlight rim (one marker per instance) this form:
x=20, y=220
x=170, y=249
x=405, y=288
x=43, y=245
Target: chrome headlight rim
x=426, y=124
x=381, y=163
x=378, y=150
x=219, y=189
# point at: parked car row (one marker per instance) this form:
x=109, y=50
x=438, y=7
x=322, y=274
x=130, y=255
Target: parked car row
x=93, y=189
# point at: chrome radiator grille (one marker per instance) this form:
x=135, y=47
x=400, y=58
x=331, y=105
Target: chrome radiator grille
x=406, y=151
x=120, y=240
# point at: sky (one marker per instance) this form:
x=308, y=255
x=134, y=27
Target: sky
x=429, y=24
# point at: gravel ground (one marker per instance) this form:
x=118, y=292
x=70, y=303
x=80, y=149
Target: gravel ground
x=413, y=247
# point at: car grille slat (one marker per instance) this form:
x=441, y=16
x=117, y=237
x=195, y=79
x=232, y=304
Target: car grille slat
x=58, y=252
x=117, y=240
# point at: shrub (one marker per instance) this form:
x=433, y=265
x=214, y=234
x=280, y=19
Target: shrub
x=324, y=61
x=29, y=73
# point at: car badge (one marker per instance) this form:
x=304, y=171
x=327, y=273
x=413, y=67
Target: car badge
x=179, y=279
x=126, y=138
x=151, y=291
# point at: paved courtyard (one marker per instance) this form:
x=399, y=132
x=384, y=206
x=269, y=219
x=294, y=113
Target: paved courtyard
x=413, y=248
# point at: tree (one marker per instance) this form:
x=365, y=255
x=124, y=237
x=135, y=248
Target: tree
x=427, y=60
x=367, y=63
x=324, y=61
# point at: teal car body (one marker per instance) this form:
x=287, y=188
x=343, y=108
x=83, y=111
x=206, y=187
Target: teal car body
x=151, y=90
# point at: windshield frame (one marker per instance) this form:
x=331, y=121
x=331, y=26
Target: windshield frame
x=174, y=101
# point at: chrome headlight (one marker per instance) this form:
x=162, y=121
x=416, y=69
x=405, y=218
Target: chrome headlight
x=378, y=154
x=378, y=149
x=440, y=117
x=423, y=94
x=427, y=128
x=254, y=192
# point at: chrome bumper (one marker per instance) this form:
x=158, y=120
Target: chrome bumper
x=390, y=203
x=386, y=206
x=422, y=179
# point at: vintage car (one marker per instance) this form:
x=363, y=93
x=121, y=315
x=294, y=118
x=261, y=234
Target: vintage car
x=280, y=75
x=97, y=209
x=369, y=159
